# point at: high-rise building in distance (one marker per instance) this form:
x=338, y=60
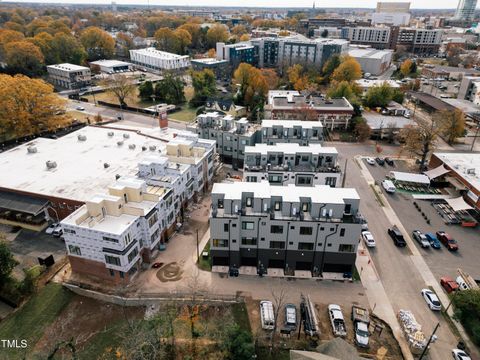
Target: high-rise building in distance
x=466, y=10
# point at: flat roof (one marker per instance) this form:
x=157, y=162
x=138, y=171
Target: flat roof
x=366, y=83
x=68, y=67
x=151, y=51
x=110, y=63
x=210, y=61
x=467, y=165
x=464, y=105
x=291, y=123
x=289, y=193
x=369, y=53
x=289, y=94
x=378, y=121
x=23, y=203
x=313, y=102
x=450, y=69
x=80, y=171
x=290, y=148
x=432, y=101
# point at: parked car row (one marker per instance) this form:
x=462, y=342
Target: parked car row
x=435, y=240
x=54, y=229
x=380, y=161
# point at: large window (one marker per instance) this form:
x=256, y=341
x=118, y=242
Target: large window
x=304, y=180
x=152, y=219
x=132, y=255
x=249, y=202
x=248, y=225
x=249, y=241
x=75, y=250
x=106, y=238
x=275, y=179
x=277, y=206
x=226, y=227
x=306, y=230
x=220, y=242
x=276, y=229
x=113, y=260
x=305, y=246
x=277, y=244
x=346, y=248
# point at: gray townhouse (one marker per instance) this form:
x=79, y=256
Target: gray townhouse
x=291, y=228
x=284, y=164
x=291, y=131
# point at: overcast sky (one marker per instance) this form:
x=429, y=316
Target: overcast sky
x=419, y=4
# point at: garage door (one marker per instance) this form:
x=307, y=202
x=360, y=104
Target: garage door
x=220, y=261
x=248, y=261
x=278, y=264
x=303, y=265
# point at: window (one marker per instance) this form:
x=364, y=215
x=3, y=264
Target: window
x=304, y=180
x=249, y=241
x=75, y=250
x=305, y=207
x=248, y=225
x=122, y=274
x=346, y=248
x=112, y=273
x=153, y=220
x=305, y=246
x=305, y=230
x=304, y=158
x=276, y=229
x=220, y=203
x=331, y=181
x=106, y=238
x=113, y=260
x=252, y=179
x=277, y=206
x=220, y=243
x=277, y=244
x=132, y=255
x=69, y=231
x=249, y=202
x=226, y=227
x=275, y=179
x=342, y=232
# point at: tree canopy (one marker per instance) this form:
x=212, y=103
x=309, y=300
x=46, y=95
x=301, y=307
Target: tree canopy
x=97, y=43
x=348, y=70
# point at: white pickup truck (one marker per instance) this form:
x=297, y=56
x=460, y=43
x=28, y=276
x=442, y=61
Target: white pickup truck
x=361, y=319
x=337, y=320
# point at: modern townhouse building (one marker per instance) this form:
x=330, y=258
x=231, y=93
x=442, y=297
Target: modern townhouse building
x=291, y=131
x=235, y=54
x=333, y=113
x=69, y=76
x=157, y=60
x=231, y=136
x=284, y=164
x=111, y=235
x=290, y=228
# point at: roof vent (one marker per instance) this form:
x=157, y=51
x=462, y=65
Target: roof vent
x=82, y=138
x=117, y=176
x=110, y=133
x=152, y=147
x=51, y=164
x=126, y=136
x=120, y=143
x=32, y=149
x=131, y=146
x=106, y=165
x=144, y=148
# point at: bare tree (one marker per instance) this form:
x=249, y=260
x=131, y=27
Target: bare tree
x=452, y=124
x=120, y=86
x=278, y=300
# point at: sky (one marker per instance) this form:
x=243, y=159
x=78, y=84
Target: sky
x=418, y=4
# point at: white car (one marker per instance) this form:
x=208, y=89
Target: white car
x=460, y=355
x=368, y=239
x=370, y=161
x=50, y=229
x=80, y=108
x=431, y=299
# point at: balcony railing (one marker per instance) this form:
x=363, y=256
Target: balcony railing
x=294, y=168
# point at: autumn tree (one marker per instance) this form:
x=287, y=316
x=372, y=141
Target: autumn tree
x=6, y=37
x=68, y=49
x=348, y=70
x=349, y=91
x=24, y=57
x=146, y=91
x=271, y=78
x=120, y=86
x=217, y=33
x=29, y=106
x=297, y=78
x=170, y=89
x=452, y=124
x=361, y=129
x=419, y=140
x=253, y=88
x=184, y=40
x=167, y=40
x=195, y=32
x=204, y=86
x=406, y=67
x=98, y=43
x=7, y=261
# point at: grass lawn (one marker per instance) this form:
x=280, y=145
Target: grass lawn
x=187, y=114
x=106, y=341
x=33, y=318
x=204, y=264
x=240, y=314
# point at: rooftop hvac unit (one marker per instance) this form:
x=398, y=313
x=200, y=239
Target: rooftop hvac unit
x=51, y=164
x=144, y=148
x=131, y=146
x=120, y=143
x=117, y=176
x=32, y=149
x=126, y=136
x=471, y=171
x=106, y=165
x=82, y=138
x=152, y=147
x=110, y=133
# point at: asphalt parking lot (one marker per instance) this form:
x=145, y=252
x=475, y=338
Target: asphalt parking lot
x=29, y=245
x=442, y=262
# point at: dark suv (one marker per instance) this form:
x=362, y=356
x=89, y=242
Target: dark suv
x=397, y=237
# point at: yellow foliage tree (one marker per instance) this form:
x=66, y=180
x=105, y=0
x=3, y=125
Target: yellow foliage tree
x=98, y=43
x=217, y=33
x=348, y=70
x=406, y=67
x=184, y=39
x=24, y=57
x=29, y=106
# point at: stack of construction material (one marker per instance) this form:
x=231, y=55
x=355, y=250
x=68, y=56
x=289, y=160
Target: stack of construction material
x=413, y=331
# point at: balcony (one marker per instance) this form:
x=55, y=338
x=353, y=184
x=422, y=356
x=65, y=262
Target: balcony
x=293, y=168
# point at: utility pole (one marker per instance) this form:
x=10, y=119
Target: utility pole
x=475, y=137
x=429, y=341
x=198, y=250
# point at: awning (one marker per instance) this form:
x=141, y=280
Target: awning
x=457, y=184
x=21, y=203
x=410, y=177
x=435, y=173
x=458, y=204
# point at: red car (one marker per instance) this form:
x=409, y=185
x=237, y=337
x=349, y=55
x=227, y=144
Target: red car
x=157, y=265
x=447, y=240
x=448, y=284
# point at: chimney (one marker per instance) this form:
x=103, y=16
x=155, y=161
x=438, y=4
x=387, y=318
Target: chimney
x=163, y=120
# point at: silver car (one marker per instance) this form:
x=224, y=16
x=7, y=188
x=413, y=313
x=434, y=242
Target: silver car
x=421, y=238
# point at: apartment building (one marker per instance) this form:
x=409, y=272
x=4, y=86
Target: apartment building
x=112, y=234
x=470, y=89
x=238, y=53
x=465, y=10
x=231, y=136
x=377, y=37
x=289, y=163
x=333, y=113
x=69, y=76
x=156, y=60
x=291, y=131
x=392, y=13
x=221, y=68
x=293, y=228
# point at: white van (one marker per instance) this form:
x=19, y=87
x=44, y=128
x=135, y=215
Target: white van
x=266, y=315
x=388, y=186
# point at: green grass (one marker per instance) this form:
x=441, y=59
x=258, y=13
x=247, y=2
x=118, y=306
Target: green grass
x=355, y=274
x=186, y=114
x=204, y=264
x=240, y=315
x=33, y=318
x=102, y=342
